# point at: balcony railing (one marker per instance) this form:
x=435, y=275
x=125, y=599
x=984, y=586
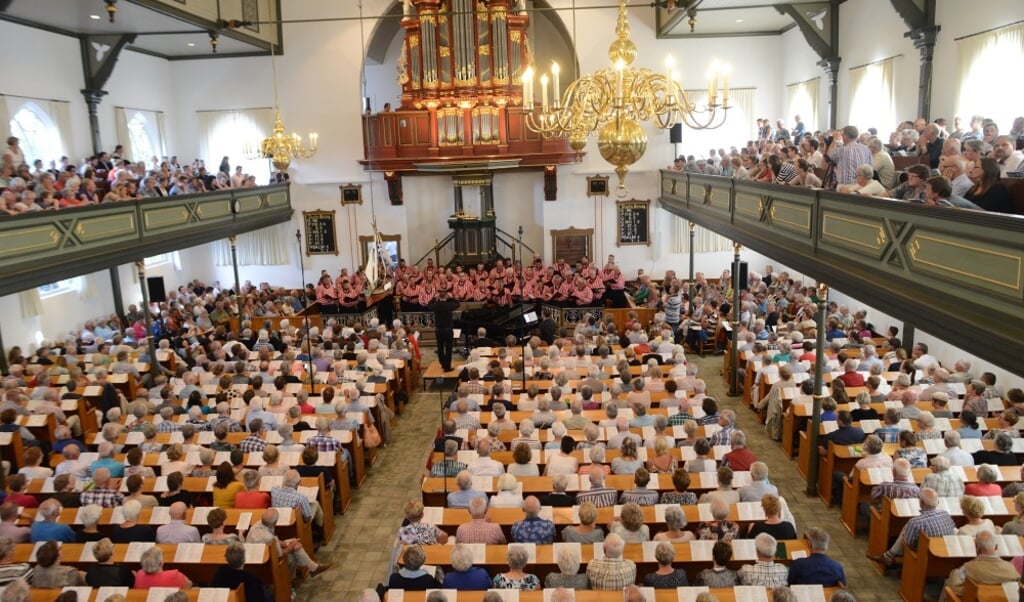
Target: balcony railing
x=957, y=274
x=46, y=246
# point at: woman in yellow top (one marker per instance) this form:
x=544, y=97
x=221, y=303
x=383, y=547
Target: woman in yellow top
x=226, y=486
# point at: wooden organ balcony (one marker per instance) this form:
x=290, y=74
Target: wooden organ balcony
x=460, y=71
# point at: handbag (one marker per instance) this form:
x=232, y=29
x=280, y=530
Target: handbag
x=371, y=437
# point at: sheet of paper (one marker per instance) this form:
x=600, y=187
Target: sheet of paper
x=750, y=511
x=135, y=550
x=907, y=507
x=1011, y=589
x=648, y=550
x=87, y=553
x=254, y=553
x=879, y=475
x=700, y=550
x=750, y=593
x=284, y=516
x=433, y=515
x=244, y=520
x=159, y=594
x=134, y=438
x=547, y=513
x=199, y=515
x=190, y=553
x=743, y=549
x=934, y=446
x=485, y=484
x=598, y=550
x=689, y=594
x=704, y=513
x=869, y=426
x=797, y=554
x=479, y=551
x=160, y=515
x=659, y=512
x=1010, y=546
x=808, y=593
x=959, y=472
x=268, y=483
x=213, y=594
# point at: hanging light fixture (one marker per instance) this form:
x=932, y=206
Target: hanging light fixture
x=614, y=101
x=281, y=147
x=111, y=9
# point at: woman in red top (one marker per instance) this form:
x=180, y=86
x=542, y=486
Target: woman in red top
x=326, y=294
x=252, y=497
x=986, y=485
x=153, y=574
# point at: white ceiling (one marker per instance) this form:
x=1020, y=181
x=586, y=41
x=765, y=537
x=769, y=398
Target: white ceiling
x=158, y=33
x=728, y=18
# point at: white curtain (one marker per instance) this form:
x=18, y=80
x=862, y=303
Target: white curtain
x=121, y=117
x=262, y=247
x=872, y=101
x=91, y=287
x=58, y=111
x=225, y=134
x=984, y=60
x=735, y=131
x=31, y=305
x=704, y=240
x=802, y=100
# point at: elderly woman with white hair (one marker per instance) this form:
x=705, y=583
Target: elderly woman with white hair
x=507, y=496
x=568, y=575
x=412, y=576
x=465, y=576
x=516, y=577
x=527, y=435
x=926, y=427
x=675, y=521
x=666, y=576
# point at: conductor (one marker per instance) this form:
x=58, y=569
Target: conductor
x=443, y=306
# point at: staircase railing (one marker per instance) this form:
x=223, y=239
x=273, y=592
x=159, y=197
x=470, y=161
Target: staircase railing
x=509, y=246
x=442, y=252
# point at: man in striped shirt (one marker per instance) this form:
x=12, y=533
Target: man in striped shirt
x=848, y=155
x=598, y=495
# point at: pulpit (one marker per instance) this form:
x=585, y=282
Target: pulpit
x=474, y=239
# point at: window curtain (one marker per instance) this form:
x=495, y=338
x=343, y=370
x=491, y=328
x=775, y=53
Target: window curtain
x=225, y=134
x=91, y=287
x=123, y=116
x=58, y=111
x=872, y=101
x=986, y=58
x=262, y=247
x=736, y=130
x=31, y=304
x=802, y=100
x=704, y=240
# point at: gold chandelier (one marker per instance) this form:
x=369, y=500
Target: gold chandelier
x=279, y=146
x=614, y=101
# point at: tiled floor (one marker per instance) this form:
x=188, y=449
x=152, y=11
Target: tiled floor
x=361, y=547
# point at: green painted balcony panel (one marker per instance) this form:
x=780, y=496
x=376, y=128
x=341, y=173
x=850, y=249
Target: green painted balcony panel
x=78, y=241
x=954, y=273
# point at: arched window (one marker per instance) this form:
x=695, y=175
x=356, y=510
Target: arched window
x=37, y=133
x=143, y=137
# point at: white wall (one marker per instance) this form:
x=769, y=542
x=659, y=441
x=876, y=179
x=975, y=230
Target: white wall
x=947, y=353
x=799, y=64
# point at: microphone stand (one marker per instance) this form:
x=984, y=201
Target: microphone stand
x=439, y=382
x=305, y=316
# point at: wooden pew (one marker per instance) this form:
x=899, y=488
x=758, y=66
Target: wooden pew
x=693, y=556
x=726, y=594
x=933, y=558
x=87, y=594
x=270, y=567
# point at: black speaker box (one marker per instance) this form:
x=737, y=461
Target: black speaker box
x=155, y=285
x=675, y=135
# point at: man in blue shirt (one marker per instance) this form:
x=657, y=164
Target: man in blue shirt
x=533, y=528
x=460, y=498
x=49, y=529
x=818, y=568
x=106, y=460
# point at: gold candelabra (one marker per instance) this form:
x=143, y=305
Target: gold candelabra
x=614, y=101
x=280, y=147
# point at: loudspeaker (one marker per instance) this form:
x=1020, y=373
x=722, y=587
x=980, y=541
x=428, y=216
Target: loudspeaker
x=155, y=285
x=743, y=275
x=675, y=134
